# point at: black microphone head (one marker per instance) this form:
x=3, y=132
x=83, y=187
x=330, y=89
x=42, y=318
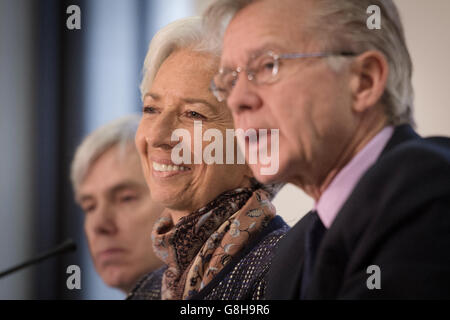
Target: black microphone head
x=67, y=246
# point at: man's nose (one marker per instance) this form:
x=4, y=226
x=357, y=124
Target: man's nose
x=243, y=97
x=105, y=220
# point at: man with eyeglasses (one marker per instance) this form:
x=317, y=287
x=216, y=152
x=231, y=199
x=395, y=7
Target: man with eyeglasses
x=341, y=96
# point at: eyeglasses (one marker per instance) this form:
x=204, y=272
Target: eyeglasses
x=261, y=69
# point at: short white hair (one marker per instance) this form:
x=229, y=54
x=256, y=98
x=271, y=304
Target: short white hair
x=341, y=25
x=187, y=33
x=120, y=132
x=184, y=33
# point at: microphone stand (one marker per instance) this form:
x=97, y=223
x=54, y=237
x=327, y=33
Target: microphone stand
x=66, y=246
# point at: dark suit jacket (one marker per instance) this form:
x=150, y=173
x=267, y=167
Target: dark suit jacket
x=397, y=217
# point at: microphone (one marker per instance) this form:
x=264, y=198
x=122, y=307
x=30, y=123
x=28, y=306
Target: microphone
x=66, y=246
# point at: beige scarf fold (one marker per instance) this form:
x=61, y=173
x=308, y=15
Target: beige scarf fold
x=201, y=244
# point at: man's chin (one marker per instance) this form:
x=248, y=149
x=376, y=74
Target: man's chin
x=115, y=277
x=265, y=175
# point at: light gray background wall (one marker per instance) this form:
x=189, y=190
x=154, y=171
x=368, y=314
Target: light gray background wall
x=16, y=143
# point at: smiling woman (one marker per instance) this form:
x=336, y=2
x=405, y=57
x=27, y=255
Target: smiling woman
x=186, y=190
x=218, y=218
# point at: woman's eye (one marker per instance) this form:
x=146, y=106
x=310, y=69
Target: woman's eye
x=195, y=115
x=148, y=109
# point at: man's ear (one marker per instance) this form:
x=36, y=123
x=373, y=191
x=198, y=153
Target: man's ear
x=369, y=73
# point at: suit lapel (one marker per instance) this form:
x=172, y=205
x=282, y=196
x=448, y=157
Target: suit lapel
x=345, y=232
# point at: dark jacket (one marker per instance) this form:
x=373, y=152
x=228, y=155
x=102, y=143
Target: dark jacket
x=397, y=218
x=241, y=278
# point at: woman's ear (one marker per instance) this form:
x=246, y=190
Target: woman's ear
x=369, y=73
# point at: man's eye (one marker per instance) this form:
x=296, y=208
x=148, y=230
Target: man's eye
x=195, y=115
x=88, y=209
x=267, y=69
x=148, y=109
x=127, y=198
x=268, y=66
x=229, y=79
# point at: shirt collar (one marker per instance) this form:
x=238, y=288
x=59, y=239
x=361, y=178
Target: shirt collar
x=334, y=197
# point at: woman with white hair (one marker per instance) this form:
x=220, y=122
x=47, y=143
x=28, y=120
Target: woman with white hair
x=219, y=229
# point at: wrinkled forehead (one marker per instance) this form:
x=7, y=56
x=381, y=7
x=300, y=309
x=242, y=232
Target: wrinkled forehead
x=267, y=25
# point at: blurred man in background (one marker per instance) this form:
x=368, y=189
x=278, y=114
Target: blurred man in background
x=119, y=213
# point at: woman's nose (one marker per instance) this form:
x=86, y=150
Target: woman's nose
x=160, y=132
x=157, y=132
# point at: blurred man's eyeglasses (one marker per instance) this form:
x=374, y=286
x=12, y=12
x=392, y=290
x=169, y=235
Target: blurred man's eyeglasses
x=261, y=69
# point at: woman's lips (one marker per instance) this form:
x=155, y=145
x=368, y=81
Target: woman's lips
x=165, y=169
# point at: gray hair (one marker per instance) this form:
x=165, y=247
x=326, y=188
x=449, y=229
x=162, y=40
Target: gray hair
x=120, y=132
x=341, y=25
x=183, y=33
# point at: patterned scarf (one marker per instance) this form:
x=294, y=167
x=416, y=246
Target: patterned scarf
x=198, y=247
